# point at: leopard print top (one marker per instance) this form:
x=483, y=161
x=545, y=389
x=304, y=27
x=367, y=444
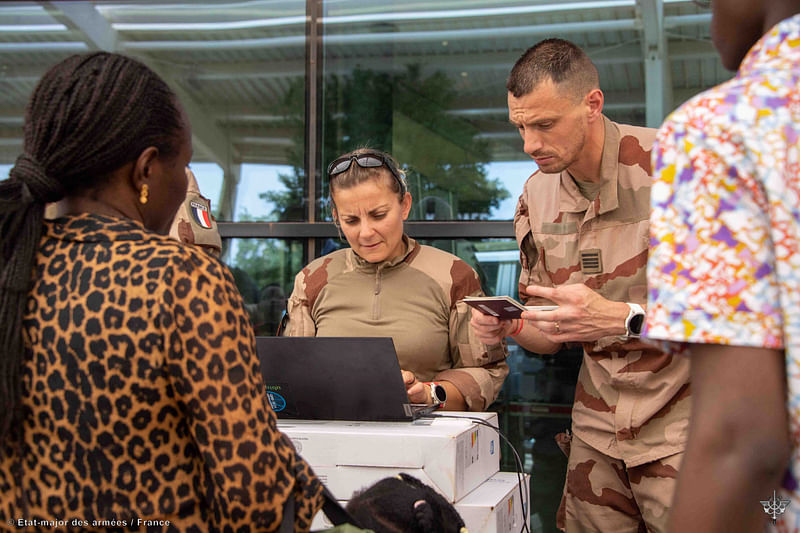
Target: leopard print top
x=143, y=397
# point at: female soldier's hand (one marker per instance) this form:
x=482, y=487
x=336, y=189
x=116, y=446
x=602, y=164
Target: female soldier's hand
x=418, y=392
x=489, y=329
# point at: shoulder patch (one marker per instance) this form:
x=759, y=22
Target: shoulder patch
x=200, y=214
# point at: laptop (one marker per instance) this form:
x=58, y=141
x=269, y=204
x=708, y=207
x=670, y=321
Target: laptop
x=335, y=378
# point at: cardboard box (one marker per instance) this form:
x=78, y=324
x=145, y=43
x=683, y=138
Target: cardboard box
x=452, y=455
x=496, y=506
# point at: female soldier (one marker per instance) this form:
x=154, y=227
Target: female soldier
x=388, y=285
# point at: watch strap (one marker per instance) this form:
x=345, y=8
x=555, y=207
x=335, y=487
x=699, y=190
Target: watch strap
x=438, y=393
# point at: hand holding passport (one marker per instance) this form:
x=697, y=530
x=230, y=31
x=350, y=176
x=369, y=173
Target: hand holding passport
x=503, y=307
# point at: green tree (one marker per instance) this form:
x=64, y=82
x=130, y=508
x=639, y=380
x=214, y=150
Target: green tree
x=264, y=271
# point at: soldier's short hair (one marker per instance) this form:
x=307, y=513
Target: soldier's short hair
x=558, y=60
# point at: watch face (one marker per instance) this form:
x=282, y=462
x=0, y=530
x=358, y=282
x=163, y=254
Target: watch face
x=636, y=323
x=440, y=393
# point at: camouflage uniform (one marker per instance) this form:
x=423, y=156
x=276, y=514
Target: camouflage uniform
x=632, y=401
x=413, y=298
x=193, y=222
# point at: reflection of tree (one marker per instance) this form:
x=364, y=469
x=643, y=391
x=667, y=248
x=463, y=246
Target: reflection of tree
x=290, y=204
x=406, y=115
x=266, y=261
x=264, y=271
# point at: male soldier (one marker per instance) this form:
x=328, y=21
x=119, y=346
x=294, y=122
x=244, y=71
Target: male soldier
x=724, y=273
x=582, y=228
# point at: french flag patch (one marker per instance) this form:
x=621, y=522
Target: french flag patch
x=201, y=215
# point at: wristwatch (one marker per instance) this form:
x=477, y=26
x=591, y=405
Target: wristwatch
x=438, y=394
x=634, y=321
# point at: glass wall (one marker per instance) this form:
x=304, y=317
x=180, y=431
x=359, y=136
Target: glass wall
x=391, y=85
x=264, y=271
x=277, y=88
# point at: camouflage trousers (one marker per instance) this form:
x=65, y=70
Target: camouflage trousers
x=602, y=495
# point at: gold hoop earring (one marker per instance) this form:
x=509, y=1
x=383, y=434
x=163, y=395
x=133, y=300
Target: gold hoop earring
x=144, y=194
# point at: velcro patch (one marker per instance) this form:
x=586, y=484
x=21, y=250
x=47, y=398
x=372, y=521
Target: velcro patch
x=591, y=261
x=201, y=215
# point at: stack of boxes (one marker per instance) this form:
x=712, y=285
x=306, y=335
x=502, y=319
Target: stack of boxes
x=456, y=456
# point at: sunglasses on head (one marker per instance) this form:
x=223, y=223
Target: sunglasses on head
x=365, y=160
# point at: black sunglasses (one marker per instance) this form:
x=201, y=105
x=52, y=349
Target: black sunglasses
x=365, y=160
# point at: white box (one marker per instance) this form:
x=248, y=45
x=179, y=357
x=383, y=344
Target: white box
x=452, y=455
x=495, y=506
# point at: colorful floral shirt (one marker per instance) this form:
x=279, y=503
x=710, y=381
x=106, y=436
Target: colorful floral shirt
x=724, y=266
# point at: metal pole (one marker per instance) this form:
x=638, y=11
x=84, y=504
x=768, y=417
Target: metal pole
x=313, y=78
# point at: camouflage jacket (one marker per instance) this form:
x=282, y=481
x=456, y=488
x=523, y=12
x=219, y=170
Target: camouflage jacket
x=415, y=299
x=631, y=401
x=193, y=223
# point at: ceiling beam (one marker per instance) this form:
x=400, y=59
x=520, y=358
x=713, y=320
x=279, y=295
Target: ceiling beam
x=98, y=34
x=351, y=38
x=396, y=37
x=84, y=19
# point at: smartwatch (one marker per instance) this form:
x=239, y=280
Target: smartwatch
x=635, y=321
x=438, y=394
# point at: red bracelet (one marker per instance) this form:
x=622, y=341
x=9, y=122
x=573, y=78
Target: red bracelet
x=521, y=323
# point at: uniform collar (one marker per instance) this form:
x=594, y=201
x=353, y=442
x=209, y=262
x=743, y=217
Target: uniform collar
x=410, y=245
x=572, y=201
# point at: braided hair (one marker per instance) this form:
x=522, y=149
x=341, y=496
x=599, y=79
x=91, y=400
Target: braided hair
x=404, y=504
x=88, y=116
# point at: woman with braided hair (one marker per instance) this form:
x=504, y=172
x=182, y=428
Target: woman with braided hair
x=130, y=392
x=403, y=504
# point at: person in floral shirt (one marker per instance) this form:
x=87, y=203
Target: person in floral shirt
x=724, y=272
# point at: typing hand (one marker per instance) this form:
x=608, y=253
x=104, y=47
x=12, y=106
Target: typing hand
x=417, y=391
